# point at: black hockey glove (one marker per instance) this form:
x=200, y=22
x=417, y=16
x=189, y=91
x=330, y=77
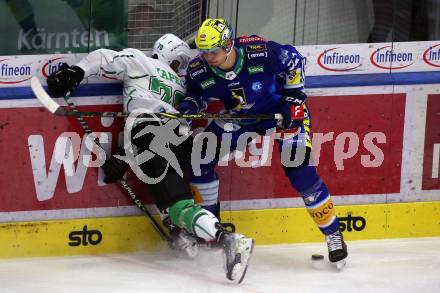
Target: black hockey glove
x=292, y=109
x=66, y=79
x=114, y=169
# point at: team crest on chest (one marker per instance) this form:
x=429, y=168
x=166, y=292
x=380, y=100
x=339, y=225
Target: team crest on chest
x=230, y=75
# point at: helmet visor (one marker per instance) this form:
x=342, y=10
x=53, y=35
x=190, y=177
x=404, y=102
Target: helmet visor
x=210, y=50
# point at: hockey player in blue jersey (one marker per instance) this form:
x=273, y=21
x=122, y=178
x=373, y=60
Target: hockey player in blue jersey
x=253, y=76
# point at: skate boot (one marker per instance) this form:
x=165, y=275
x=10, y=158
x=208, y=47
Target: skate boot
x=237, y=250
x=182, y=241
x=337, y=249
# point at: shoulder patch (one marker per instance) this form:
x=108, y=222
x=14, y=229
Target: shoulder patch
x=246, y=39
x=197, y=71
x=195, y=64
x=196, y=67
x=256, y=48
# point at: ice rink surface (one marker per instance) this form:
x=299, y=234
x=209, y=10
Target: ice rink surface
x=399, y=265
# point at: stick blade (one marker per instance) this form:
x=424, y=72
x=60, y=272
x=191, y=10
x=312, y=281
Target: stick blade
x=45, y=99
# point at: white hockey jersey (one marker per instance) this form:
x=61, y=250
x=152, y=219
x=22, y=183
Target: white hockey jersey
x=149, y=84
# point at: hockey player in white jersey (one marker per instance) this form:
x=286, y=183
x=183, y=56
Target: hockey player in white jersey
x=152, y=85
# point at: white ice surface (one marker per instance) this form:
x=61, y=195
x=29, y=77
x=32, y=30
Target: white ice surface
x=400, y=265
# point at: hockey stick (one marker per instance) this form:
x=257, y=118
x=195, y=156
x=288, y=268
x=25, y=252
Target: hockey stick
x=55, y=108
x=41, y=95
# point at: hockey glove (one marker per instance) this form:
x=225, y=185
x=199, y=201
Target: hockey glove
x=292, y=109
x=114, y=169
x=190, y=105
x=65, y=80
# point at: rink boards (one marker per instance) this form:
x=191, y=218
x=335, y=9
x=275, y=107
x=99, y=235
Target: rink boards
x=269, y=226
x=376, y=144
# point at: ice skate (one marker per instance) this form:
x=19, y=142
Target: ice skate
x=337, y=249
x=237, y=250
x=182, y=241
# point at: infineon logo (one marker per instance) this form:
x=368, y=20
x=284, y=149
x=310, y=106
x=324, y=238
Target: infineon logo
x=51, y=66
x=431, y=56
x=335, y=60
x=11, y=73
x=388, y=59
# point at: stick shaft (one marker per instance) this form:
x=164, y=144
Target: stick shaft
x=122, y=182
x=196, y=116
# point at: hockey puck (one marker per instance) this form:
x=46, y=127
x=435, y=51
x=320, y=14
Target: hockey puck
x=317, y=256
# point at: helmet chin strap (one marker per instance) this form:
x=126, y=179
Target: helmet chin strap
x=228, y=52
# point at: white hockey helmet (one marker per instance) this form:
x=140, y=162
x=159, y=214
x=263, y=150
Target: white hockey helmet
x=169, y=48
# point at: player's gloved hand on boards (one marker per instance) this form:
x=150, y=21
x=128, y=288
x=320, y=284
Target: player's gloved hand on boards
x=66, y=79
x=114, y=168
x=292, y=109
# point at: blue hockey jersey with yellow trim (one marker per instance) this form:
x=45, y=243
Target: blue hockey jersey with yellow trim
x=264, y=71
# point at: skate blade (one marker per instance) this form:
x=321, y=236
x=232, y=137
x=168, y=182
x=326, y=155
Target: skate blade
x=188, y=252
x=239, y=269
x=339, y=265
x=192, y=251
